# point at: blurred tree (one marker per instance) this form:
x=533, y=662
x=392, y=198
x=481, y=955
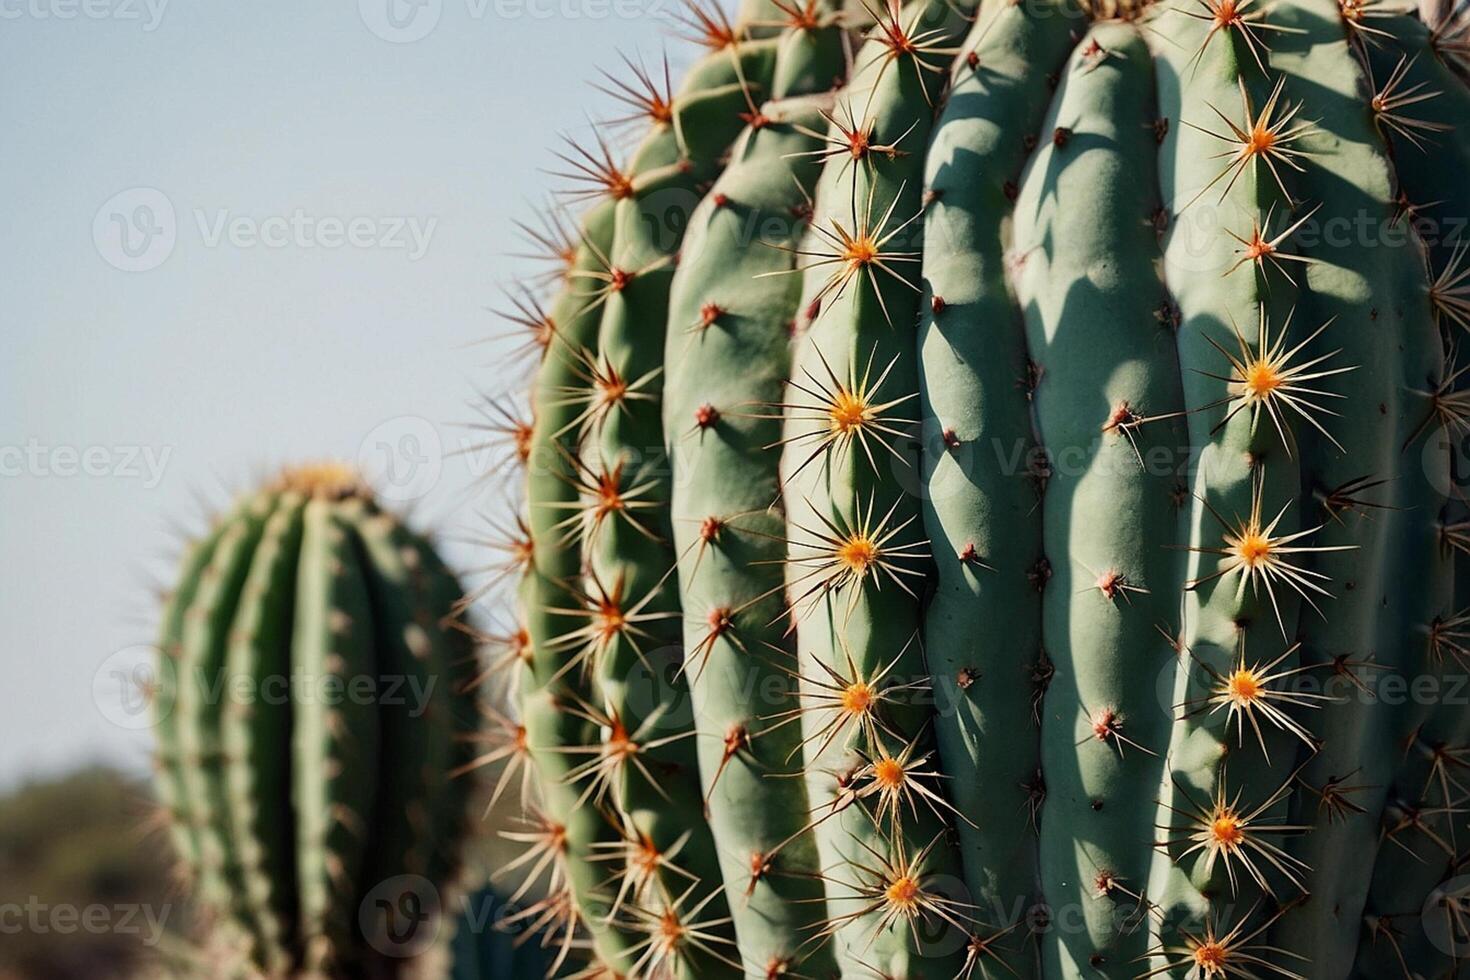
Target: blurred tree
x=85, y=889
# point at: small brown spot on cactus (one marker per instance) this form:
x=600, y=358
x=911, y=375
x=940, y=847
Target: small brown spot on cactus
x=1161, y=129
x=1060, y=137
x=709, y=315
x=1169, y=315
x=1113, y=584
x=951, y=439
x=1096, y=960
x=931, y=197
x=970, y=556
x=1011, y=191
x=618, y=279
x=814, y=309
x=706, y=416
x=937, y=305
x=1035, y=789
x=719, y=620
x=521, y=438
x=966, y=677
x=1029, y=142
x=1179, y=495
x=973, y=60
x=1040, y=574
x=1161, y=218
x=1042, y=672
x=721, y=201
x=710, y=529
x=802, y=212
x=1120, y=418
x=1038, y=469
x=1096, y=805
x=777, y=968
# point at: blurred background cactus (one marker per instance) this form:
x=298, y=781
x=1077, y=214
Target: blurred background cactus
x=316, y=704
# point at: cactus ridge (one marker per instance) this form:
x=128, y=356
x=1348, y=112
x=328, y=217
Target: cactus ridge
x=984, y=488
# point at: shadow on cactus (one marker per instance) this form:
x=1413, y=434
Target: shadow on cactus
x=991, y=502
x=313, y=711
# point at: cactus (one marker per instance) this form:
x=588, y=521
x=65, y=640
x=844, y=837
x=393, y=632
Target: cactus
x=313, y=709
x=991, y=498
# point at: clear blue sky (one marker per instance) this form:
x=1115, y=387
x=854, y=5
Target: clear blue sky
x=222, y=355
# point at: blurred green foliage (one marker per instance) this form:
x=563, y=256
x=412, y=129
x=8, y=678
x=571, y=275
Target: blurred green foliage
x=86, y=891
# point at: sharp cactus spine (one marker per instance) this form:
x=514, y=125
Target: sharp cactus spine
x=1103, y=485
x=299, y=781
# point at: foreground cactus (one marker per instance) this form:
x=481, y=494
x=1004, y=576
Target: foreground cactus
x=1008, y=525
x=313, y=709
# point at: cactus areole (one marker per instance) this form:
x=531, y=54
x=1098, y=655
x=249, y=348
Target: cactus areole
x=312, y=712
x=991, y=502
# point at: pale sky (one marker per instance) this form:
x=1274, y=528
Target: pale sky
x=236, y=235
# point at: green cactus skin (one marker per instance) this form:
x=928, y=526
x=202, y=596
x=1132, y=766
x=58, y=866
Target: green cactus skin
x=550, y=683
x=296, y=801
x=854, y=538
x=1400, y=581
x=171, y=769
x=639, y=668
x=1403, y=925
x=727, y=530
x=1084, y=262
x=983, y=625
x=1106, y=663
